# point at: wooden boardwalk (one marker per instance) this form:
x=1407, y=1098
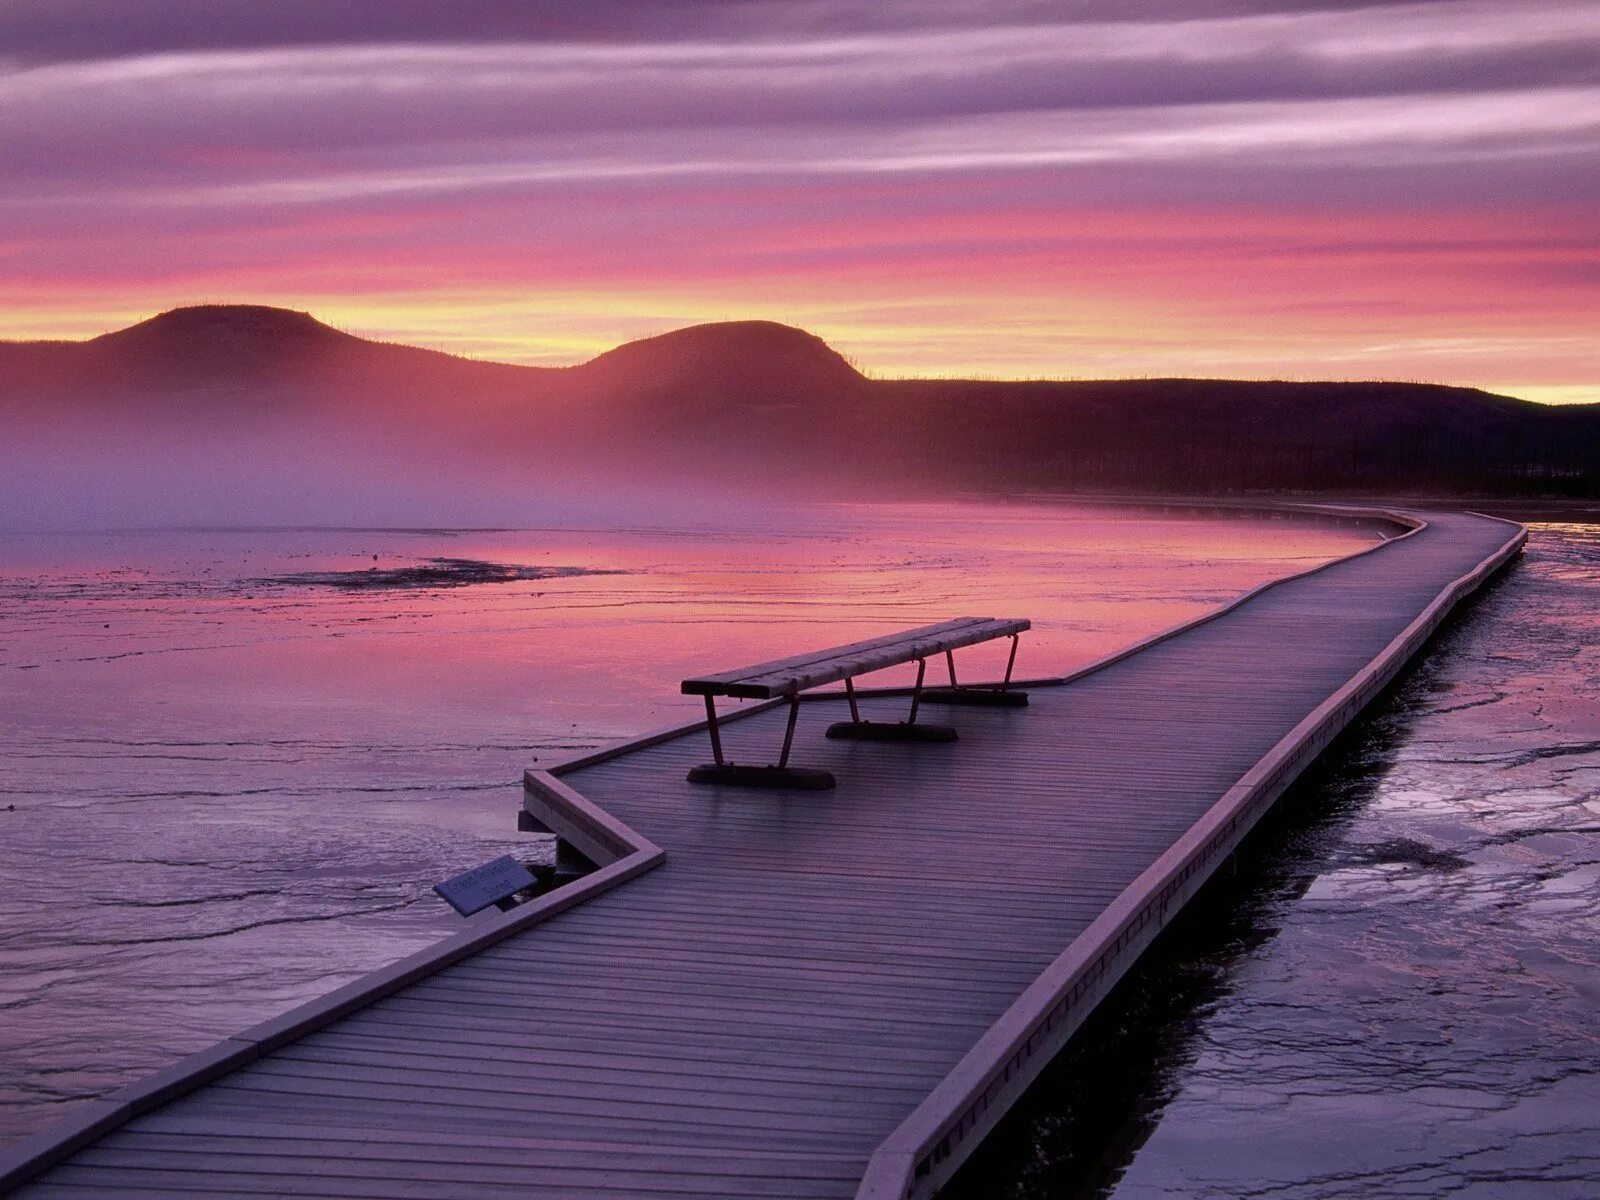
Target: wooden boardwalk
x=808, y=994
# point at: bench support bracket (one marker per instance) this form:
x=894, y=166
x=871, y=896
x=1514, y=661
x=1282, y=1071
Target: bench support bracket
x=1000, y=696
x=891, y=731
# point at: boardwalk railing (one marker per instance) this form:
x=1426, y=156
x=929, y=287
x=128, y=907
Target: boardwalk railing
x=922, y=1154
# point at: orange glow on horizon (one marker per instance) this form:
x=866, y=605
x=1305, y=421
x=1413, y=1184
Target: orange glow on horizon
x=1195, y=300
x=1407, y=195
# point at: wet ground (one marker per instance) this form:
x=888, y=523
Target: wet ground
x=1398, y=994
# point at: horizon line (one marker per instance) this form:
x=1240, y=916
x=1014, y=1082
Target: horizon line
x=866, y=372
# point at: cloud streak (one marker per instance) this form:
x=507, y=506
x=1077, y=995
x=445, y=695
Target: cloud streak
x=74, y=30
x=786, y=158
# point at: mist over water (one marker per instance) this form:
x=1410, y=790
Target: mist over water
x=234, y=781
x=284, y=466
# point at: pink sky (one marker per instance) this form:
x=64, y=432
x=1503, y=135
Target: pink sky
x=1256, y=188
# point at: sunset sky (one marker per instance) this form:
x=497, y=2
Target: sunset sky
x=1257, y=188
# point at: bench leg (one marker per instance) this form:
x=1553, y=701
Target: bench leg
x=738, y=775
x=891, y=731
x=711, y=727
x=788, y=731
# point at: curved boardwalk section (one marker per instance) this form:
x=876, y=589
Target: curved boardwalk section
x=799, y=994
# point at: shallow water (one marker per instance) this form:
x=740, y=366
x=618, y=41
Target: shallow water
x=236, y=761
x=1399, y=995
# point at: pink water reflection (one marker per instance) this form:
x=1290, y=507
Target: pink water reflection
x=177, y=618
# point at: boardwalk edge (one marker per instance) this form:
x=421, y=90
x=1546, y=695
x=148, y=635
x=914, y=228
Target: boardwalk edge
x=924, y=1151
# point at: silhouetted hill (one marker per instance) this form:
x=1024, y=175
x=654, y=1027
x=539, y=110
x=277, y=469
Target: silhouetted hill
x=225, y=348
x=759, y=404
x=223, y=333
x=1197, y=435
x=752, y=386
x=756, y=356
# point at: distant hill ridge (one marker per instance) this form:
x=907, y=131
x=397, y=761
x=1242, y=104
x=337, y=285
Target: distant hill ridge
x=749, y=351
x=235, y=323
x=755, y=397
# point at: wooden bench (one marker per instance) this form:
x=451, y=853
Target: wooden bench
x=788, y=677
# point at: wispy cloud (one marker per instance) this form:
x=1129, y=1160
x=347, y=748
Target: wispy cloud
x=799, y=156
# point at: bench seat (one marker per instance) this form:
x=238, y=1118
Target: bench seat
x=787, y=676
